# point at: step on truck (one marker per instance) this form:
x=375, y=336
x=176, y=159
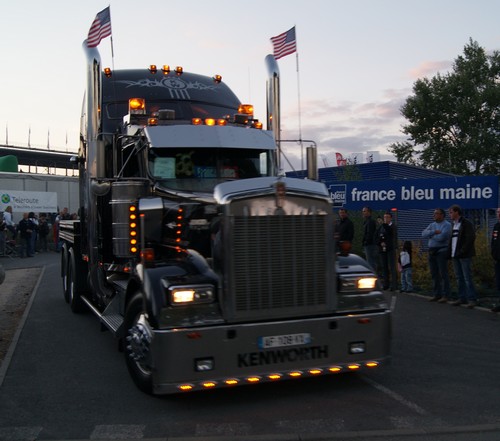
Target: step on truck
x=209, y=267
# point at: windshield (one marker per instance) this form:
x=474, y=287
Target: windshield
x=201, y=169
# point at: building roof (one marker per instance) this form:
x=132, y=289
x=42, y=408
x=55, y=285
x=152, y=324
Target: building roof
x=39, y=158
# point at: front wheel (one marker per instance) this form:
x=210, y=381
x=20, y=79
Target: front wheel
x=137, y=344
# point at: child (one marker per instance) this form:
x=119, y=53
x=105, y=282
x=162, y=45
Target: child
x=404, y=260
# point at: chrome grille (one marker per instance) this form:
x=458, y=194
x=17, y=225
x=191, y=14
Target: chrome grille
x=280, y=265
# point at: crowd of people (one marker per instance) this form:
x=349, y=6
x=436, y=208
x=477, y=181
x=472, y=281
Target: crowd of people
x=32, y=234
x=446, y=240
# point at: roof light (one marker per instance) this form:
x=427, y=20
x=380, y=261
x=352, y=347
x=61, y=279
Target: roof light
x=209, y=122
x=137, y=106
x=217, y=79
x=246, y=109
x=221, y=122
x=107, y=72
x=152, y=121
x=179, y=70
x=165, y=69
x=153, y=69
x=257, y=125
x=196, y=121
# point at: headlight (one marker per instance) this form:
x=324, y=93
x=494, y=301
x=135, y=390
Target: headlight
x=356, y=283
x=192, y=294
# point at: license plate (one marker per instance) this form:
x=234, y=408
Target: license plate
x=277, y=341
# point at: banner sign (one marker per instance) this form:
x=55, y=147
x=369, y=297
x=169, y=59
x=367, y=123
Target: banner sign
x=26, y=201
x=470, y=192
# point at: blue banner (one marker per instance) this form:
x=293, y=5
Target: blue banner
x=470, y=192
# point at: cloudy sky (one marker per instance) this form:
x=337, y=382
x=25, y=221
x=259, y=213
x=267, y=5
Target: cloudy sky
x=355, y=66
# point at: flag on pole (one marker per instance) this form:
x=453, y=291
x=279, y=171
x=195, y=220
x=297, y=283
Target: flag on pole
x=284, y=44
x=101, y=28
x=340, y=159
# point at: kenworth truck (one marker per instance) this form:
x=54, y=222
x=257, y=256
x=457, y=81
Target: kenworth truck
x=209, y=268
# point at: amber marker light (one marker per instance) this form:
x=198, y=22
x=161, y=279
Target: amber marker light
x=179, y=70
x=165, y=69
x=274, y=377
x=209, y=384
x=196, y=121
x=372, y=364
x=152, y=68
x=107, y=72
x=295, y=374
x=246, y=109
x=217, y=78
x=335, y=369
x=185, y=387
x=253, y=379
x=315, y=371
x=137, y=106
x=353, y=367
x=231, y=381
x=209, y=122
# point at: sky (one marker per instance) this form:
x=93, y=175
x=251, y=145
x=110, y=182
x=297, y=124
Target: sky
x=355, y=65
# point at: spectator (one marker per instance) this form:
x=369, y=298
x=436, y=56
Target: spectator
x=344, y=230
x=43, y=232
x=34, y=235
x=3, y=231
x=461, y=250
x=11, y=226
x=387, y=243
x=25, y=231
x=369, y=238
x=405, y=258
x=495, y=253
x=439, y=235
x=63, y=215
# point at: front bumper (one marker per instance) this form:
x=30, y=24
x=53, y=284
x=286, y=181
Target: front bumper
x=230, y=355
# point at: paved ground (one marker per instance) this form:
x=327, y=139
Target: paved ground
x=21, y=278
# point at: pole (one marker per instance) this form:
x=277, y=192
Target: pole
x=300, y=113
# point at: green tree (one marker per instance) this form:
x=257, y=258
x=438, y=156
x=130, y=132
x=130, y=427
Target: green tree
x=453, y=119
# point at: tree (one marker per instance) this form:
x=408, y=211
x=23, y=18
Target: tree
x=453, y=119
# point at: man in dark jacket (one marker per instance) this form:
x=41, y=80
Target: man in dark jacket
x=26, y=228
x=387, y=242
x=344, y=229
x=495, y=253
x=461, y=250
x=369, y=238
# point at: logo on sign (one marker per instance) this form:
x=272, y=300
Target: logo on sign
x=338, y=193
x=5, y=198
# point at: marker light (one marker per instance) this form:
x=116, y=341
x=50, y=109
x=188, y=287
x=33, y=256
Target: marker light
x=217, y=79
x=178, y=70
x=153, y=69
x=231, y=381
x=107, y=72
x=196, y=121
x=137, y=106
x=165, y=69
x=185, y=387
x=209, y=122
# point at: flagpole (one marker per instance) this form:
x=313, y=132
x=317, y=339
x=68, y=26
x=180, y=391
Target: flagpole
x=300, y=113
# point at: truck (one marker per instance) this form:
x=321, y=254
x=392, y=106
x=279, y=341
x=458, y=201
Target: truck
x=209, y=265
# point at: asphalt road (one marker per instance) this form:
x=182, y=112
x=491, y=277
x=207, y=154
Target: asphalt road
x=66, y=380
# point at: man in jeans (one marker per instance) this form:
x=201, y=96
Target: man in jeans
x=439, y=233
x=462, y=251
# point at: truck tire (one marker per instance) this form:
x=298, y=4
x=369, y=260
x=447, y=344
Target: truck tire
x=136, y=344
x=74, y=290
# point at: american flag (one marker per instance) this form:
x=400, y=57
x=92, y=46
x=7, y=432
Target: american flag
x=284, y=44
x=101, y=28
